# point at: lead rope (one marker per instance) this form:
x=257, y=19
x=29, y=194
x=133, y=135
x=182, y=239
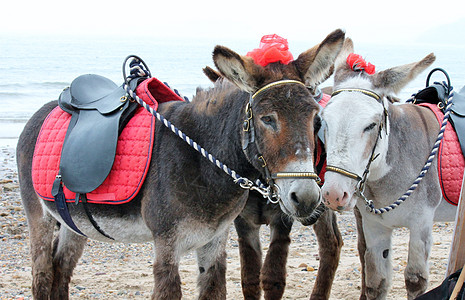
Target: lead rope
x=424, y=170
x=140, y=69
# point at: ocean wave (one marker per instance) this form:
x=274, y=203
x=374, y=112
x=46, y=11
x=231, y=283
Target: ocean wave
x=29, y=85
x=18, y=118
x=14, y=94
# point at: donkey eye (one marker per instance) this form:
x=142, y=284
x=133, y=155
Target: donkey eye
x=369, y=127
x=269, y=121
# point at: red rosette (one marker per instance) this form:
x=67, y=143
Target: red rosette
x=273, y=48
x=357, y=63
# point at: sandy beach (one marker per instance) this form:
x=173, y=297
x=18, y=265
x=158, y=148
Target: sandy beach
x=124, y=271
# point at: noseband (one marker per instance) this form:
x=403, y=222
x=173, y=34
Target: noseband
x=362, y=179
x=249, y=130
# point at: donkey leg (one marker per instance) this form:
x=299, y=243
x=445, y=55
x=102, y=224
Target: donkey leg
x=166, y=271
x=273, y=275
x=362, y=247
x=330, y=245
x=212, y=267
x=250, y=253
x=41, y=227
x=378, y=266
x=41, y=230
x=67, y=249
x=417, y=270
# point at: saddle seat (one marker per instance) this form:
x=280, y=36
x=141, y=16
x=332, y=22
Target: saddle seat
x=92, y=92
x=99, y=110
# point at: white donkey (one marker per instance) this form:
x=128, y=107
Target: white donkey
x=371, y=141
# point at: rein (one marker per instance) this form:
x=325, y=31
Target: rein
x=271, y=191
x=361, y=180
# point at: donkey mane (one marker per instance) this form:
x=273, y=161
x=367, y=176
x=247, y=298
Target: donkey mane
x=210, y=100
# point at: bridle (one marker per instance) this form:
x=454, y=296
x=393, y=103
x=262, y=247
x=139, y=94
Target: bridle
x=361, y=180
x=249, y=132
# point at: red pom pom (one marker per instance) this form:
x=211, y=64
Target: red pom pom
x=273, y=48
x=357, y=63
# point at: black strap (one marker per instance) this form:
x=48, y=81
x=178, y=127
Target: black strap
x=91, y=218
x=62, y=206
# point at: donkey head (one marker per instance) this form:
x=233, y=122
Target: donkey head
x=278, y=137
x=357, y=126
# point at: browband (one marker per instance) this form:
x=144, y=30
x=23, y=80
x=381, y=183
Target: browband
x=279, y=82
x=363, y=91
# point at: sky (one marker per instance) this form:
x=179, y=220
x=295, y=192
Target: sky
x=392, y=21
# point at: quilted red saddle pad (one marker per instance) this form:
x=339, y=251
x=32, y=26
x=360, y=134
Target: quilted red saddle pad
x=133, y=152
x=451, y=162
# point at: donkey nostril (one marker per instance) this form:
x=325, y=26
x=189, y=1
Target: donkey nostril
x=345, y=196
x=294, y=198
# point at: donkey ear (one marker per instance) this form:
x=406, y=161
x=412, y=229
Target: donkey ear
x=236, y=68
x=212, y=74
x=394, y=79
x=341, y=60
x=316, y=64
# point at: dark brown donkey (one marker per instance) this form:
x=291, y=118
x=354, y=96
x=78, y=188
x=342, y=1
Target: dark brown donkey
x=270, y=274
x=186, y=202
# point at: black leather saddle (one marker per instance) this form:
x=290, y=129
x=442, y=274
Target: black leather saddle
x=100, y=109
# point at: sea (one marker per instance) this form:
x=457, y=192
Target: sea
x=35, y=69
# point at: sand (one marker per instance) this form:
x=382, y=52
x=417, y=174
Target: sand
x=124, y=271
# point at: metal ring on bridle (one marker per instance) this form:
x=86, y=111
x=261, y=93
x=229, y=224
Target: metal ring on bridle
x=275, y=195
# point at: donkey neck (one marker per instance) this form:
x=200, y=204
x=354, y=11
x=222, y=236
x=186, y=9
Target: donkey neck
x=215, y=123
x=413, y=130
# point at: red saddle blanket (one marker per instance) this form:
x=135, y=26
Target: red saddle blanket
x=451, y=162
x=133, y=152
